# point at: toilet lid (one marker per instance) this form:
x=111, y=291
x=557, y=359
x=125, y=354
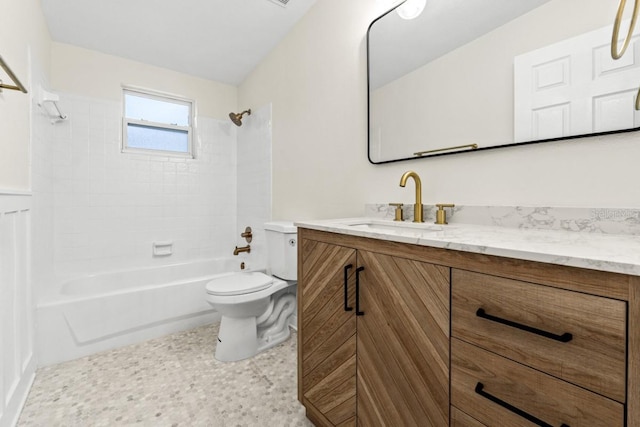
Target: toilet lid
x=239, y=283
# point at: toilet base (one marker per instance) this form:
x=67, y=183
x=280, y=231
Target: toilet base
x=236, y=339
x=273, y=340
x=241, y=338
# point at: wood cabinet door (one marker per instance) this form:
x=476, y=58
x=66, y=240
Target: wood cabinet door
x=403, y=342
x=327, y=335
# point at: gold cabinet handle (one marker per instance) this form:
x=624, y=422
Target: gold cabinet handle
x=615, y=54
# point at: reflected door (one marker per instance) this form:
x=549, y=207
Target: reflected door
x=574, y=88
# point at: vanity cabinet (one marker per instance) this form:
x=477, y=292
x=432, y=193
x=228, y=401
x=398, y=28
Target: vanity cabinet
x=452, y=338
x=373, y=336
x=556, y=356
x=326, y=332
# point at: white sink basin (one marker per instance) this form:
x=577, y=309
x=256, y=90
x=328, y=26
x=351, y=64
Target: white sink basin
x=391, y=226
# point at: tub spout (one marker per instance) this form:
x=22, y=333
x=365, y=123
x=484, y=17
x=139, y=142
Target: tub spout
x=246, y=249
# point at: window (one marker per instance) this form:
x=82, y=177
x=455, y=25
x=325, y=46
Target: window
x=155, y=123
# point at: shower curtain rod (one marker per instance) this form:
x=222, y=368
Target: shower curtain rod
x=18, y=85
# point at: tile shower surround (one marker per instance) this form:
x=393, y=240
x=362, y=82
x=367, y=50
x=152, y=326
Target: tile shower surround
x=109, y=207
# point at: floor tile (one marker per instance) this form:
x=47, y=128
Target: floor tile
x=169, y=381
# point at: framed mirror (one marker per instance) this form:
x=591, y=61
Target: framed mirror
x=476, y=75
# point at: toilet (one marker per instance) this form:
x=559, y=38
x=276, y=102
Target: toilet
x=256, y=307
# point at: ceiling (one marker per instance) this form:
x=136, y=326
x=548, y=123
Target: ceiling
x=221, y=40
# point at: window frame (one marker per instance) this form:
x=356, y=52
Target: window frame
x=164, y=97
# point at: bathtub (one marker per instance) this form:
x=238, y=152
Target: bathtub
x=110, y=310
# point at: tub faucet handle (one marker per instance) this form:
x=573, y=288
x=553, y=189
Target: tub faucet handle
x=248, y=235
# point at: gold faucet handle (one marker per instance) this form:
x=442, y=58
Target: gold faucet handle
x=441, y=214
x=248, y=235
x=398, y=206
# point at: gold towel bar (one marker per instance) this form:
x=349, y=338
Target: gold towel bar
x=18, y=85
x=472, y=146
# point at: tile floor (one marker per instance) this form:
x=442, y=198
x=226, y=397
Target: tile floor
x=169, y=381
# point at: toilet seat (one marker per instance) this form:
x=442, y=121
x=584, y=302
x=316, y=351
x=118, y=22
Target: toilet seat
x=239, y=284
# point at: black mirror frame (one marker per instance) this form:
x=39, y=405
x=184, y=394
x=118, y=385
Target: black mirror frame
x=426, y=156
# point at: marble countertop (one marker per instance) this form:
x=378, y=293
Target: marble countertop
x=617, y=253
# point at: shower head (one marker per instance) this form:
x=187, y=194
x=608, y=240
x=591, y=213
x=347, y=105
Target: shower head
x=237, y=118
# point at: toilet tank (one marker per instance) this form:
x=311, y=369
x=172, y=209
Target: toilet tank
x=282, y=249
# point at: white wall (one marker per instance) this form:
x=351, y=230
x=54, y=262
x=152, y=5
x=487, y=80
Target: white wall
x=93, y=74
x=316, y=81
x=25, y=46
x=23, y=36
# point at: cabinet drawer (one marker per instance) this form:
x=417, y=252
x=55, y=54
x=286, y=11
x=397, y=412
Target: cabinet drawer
x=493, y=389
x=529, y=323
x=460, y=419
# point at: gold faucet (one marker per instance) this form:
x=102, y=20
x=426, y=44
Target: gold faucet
x=237, y=250
x=417, y=208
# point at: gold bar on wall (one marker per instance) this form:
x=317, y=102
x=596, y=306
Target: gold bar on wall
x=421, y=153
x=18, y=85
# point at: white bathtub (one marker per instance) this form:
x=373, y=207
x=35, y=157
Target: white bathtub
x=105, y=311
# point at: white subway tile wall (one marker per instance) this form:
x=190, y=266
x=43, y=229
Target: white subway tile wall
x=109, y=207
x=42, y=161
x=254, y=180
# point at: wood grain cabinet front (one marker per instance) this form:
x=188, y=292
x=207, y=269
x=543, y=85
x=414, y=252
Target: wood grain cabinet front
x=394, y=334
x=527, y=354
x=577, y=337
x=460, y=419
x=374, y=323
x=500, y=392
x=327, y=333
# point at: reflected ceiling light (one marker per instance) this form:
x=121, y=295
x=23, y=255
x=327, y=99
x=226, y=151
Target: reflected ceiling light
x=411, y=9
x=408, y=9
x=388, y=4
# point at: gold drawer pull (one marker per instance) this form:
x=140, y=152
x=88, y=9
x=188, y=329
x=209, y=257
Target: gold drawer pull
x=510, y=407
x=566, y=337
